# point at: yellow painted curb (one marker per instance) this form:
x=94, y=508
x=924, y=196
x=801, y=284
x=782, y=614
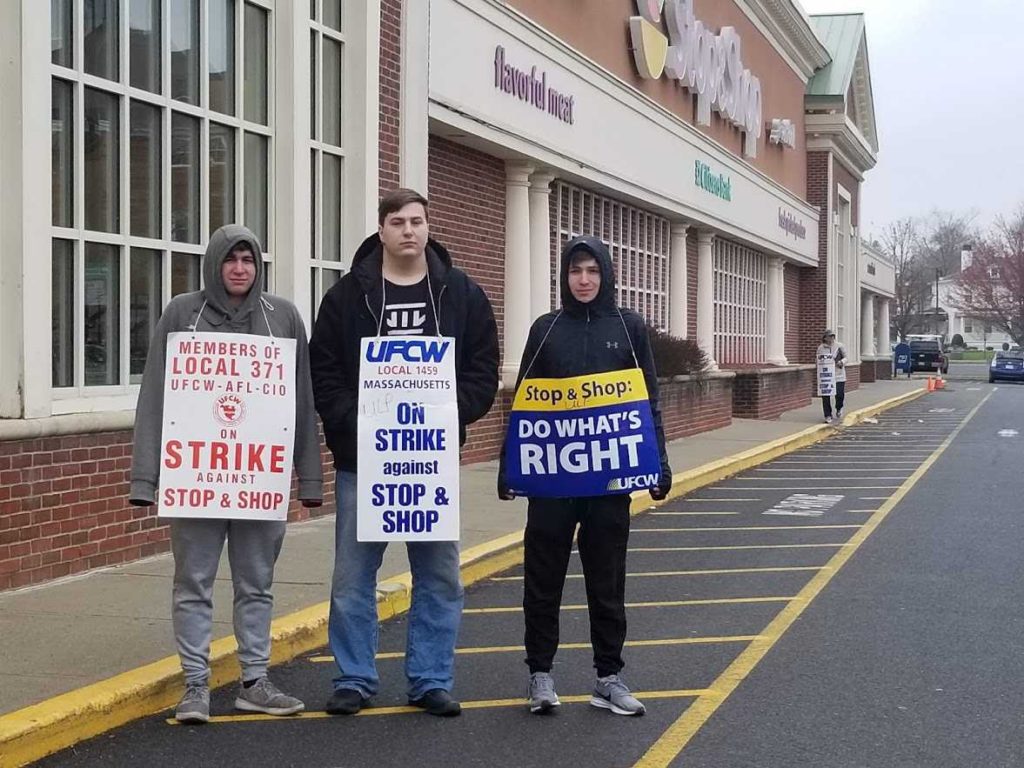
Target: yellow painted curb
x=39, y=730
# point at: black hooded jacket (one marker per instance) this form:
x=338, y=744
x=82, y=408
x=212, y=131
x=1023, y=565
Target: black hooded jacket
x=351, y=310
x=591, y=338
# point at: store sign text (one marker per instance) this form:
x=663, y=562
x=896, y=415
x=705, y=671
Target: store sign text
x=718, y=185
x=783, y=132
x=704, y=63
x=791, y=225
x=527, y=86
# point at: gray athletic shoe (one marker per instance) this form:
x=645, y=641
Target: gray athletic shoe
x=611, y=693
x=542, y=693
x=264, y=696
x=194, y=706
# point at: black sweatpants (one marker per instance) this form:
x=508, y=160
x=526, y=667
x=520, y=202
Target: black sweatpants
x=826, y=402
x=603, y=536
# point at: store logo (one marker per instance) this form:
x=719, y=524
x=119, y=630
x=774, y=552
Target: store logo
x=704, y=63
x=791, y=225
x=533, y=89
x=718, y=185
x=229, y=410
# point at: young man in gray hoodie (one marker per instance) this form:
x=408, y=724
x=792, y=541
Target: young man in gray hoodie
x=232, y=301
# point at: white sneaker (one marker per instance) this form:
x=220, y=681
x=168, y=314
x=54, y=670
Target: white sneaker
x=839, y=415
x=828, y=419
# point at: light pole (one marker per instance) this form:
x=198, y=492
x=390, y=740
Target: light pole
x=938, y=272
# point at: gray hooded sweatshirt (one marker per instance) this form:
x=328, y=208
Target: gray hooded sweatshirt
x=219, y=316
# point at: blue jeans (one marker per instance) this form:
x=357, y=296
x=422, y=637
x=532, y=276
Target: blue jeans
x=433, y=616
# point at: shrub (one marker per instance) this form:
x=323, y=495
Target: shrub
x=674, y=356
x=958, y=341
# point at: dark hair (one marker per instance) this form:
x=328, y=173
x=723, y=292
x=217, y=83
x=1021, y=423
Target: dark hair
x=581, y=254
x=396, y=200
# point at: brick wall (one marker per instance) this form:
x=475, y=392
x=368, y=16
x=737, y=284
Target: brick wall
x=390, y=93
x=852, y=378
x=791, y=277
x=467, y=215
x=767, y=394
x=693, y=405
x=867, y=372
x=813, y=282
x=64, y=507
x=883, y=369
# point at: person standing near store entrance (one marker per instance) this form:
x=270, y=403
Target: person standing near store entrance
x=402, y=283
x=232, y=301
x=589, y=335
x=830, y=349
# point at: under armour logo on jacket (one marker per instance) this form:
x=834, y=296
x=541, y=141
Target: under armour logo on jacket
x=402, y=319
x=612, y=344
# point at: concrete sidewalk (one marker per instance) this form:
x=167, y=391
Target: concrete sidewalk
x=60, y=636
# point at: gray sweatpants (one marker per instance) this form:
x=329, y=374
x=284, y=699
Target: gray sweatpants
x=253, y=547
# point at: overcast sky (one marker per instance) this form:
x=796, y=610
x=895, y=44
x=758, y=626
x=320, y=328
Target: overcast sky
x=948, y=81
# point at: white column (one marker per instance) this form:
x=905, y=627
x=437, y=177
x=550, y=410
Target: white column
x=413, y=126
x=776, y=325
x=867, y=325
x=517, y=267
x=883, y=327
x=678, y=311
x=540, y=244
x=706, y=296
x=292, y=245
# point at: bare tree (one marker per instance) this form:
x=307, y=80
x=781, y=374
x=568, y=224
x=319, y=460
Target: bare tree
x=991, y=290
x=902, y=242
x=943, y=236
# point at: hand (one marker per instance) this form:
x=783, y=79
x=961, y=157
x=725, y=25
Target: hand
x=661, y=491
x=312, y=503
x=505, y=494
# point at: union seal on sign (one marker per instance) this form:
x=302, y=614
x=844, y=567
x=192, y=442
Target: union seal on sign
x=229, y=410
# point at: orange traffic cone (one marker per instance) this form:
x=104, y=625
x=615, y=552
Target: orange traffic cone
x=930, y=384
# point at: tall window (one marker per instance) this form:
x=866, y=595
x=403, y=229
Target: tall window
x=150, y=155
x=638, y=241
x=327, y=145
x=741, y=298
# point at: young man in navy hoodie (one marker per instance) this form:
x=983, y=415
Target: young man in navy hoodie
x=590, y=334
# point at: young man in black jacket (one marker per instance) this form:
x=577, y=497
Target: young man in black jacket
x=401, y=282
x=590, y=334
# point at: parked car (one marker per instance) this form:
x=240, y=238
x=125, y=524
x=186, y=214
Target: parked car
x=928, y=355
x=1006, y=366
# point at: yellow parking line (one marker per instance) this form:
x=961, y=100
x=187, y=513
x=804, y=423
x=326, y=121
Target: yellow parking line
x=712, y=572
x=685, y=693
x=654, y=604
x=569, y=646
x=817, y=487
x=667, y=748
x=740, y=546
x=743, y=528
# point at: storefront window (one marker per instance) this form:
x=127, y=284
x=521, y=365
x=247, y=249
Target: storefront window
x=145, y=161
x=62, y=127
x=100, y=38
x=144, y=44
x=137, y=243
x=222, y=56
x=741, y=300
x=101, y=147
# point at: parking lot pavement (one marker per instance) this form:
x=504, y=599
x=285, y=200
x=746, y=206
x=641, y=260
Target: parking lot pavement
x=715, y=579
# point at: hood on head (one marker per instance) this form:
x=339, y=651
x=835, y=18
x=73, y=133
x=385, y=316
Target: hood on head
x=605, y=298
x=222, y=242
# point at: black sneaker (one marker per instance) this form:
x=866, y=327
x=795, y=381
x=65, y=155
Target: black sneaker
x=437, y=701
x=345, y=701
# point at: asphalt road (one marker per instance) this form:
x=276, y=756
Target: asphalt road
x=852, y=604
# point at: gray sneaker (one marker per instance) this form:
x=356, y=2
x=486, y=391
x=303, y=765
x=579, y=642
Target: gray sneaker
x=194, y=706
x=611, y=693
x=542, y=693
x=264, y=696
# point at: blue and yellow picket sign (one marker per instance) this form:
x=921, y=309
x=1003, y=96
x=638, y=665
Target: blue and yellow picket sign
x=587, y=435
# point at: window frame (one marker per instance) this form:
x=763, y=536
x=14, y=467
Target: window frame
x=81, y=397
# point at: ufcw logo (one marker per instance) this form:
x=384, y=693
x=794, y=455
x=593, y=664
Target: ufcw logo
x=411, y=351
